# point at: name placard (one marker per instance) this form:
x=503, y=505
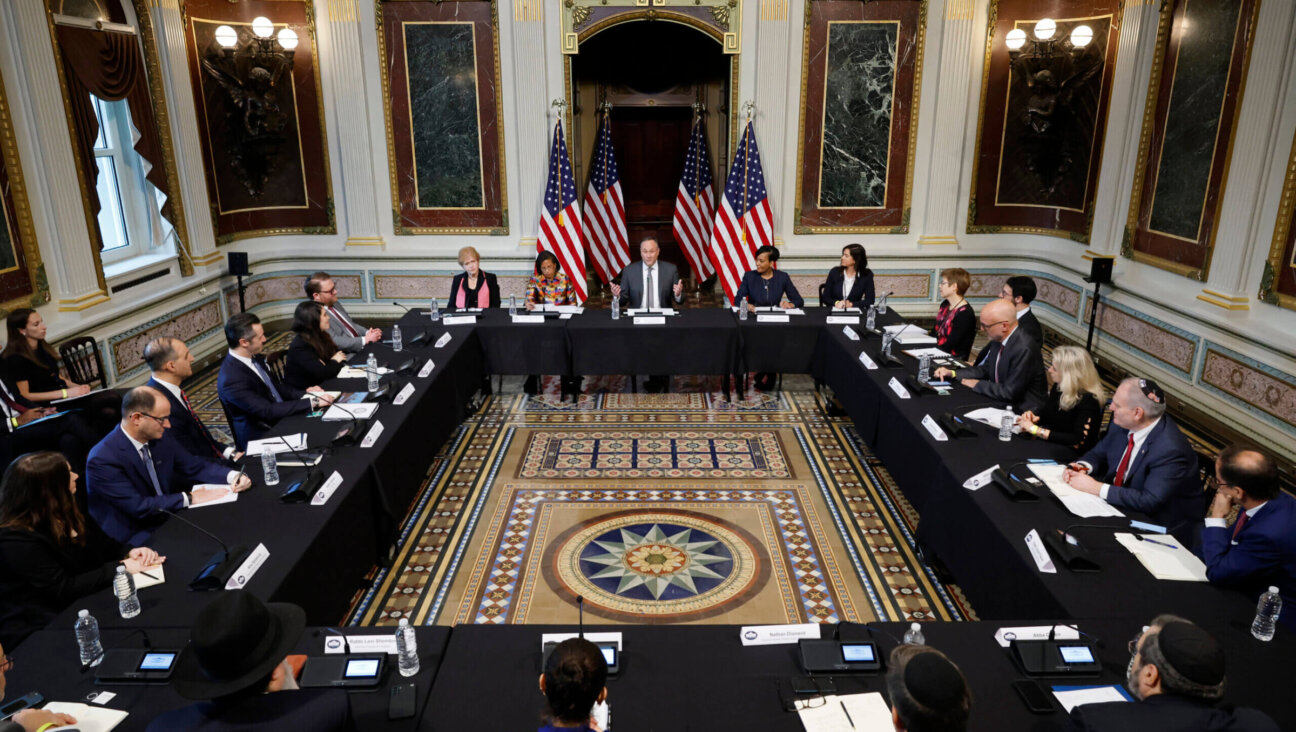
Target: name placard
x=372, y=437
x=650, y=320
x=898, y=388
x=844, y=320
x=444, y=339
x=459, y=320
x=772, y=319
x=518, y=319
x=249, y=567
x=427, y=369
x=867, y=361
x=934, y=429
x=325, y=491
x=404, y=395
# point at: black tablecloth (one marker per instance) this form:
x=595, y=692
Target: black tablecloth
x=49, y=665
x=525, y=348
x=703, y=341
x=785, y=348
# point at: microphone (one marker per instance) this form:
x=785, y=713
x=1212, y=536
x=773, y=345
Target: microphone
x=221, y=567
x=346, y=644
x=350, y=434
x=304, y=489
x=1067, y=531
x=402, y=307
x=1096, y=640
x=580, y=609
x=421, y=335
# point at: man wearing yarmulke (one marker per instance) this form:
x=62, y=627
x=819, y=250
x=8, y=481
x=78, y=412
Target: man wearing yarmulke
x=1177, y=676
x=928, y=692
x=1143, y=462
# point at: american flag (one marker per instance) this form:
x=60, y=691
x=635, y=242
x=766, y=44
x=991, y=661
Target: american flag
x=695, y=204
x=560, y=222
x=605, y=228
x=744, y=221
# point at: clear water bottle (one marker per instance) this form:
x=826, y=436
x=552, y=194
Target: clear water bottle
x=1267, y=615
x=87, y=636
x=742, y=309
x=406, y=649
x=914, y=636
x=435, y=311
x=512, y=305
x=882, y=305
x=924, y=368
x=124, y=588
x=269, y=466
x=1006, y=423
x=397, y=346
x=871, y=321
x=887, y=340
x=371, y=373
x=616, y=308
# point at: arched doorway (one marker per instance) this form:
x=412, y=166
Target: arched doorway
x=652, y=73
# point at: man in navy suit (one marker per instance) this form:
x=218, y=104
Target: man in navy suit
x=171, y=363
x=1143, y=462
x=253, y=397
x=131, y=472
x=1012, y=369
x=650, y=283
x=1259, y=550
x=1020, y=289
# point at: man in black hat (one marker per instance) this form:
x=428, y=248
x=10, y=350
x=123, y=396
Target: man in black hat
x=237, y=656
x=1177, y=675
x=928, y=692
x=1143, y=462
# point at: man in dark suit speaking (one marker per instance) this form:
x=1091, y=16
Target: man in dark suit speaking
x=650, y=283
x=1259, y=550
x=254, y=398
x=1012, y=369
x=131, y=473
x=1143, y=462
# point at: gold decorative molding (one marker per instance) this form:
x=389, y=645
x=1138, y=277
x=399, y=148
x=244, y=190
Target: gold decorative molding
x=941, y=241
x=723, y=21
x=25, y=236
x=85, y=302
x=1278, y=245
x=1228, y=302
x=365, y=241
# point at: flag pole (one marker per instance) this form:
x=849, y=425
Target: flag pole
x=560, y=104
x=749, y=107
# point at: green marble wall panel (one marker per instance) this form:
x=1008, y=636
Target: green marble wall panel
x=857, y=113
x=441, y=63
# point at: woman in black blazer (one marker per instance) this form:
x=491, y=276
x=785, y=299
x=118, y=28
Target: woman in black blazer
x=50, y=556
x=837, y=293
x=956, y=324
x=766, y=286
x=466, y=289
x=313, y=357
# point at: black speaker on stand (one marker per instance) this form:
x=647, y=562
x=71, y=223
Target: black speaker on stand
x=238, y=266
x=1100, y=272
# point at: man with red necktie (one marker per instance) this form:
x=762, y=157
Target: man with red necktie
x=1259, y=550
x=349, y=335
x=1143, y=462
x=171, y=363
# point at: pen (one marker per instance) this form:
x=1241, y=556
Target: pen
x=146, y=574
x=1154, y=541
x=848, y=717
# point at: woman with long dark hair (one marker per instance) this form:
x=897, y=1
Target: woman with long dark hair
x=849, y=285
x=313, y=357
x=50, y=556
x=31, y=369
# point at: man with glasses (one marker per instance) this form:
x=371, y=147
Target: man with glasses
x=135, y=472
x=1176, y=672
x=1259, y=550
x=349, y=335
x=28, y=720
x=1012, y=370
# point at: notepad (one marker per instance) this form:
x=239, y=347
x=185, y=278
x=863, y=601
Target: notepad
x=1173, y=562
x=1071, y=697
x=337, y=413
x=1079, y=503
x=277, y=444
x=845, y=713
x=229, y=497
x=142, y=581
x=89, y=719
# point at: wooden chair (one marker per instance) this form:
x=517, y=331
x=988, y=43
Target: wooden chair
x=275, y=363
x=81, y=357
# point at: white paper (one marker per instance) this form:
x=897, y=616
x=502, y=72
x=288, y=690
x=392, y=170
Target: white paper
x=794, y=311
x=277, y=444
x=427, y=369
x=772, y=319
x=845, y=310
x=650, y=320
x=566, y=316
x=981, y=479
x=1004, y=636
x=867, y=361
x=354, y=372
x=1039, y=553
x=1164, y=562
x=326, y=490
x=103, y=697
x=89, y=719
x=848, y=713
x=460, y=320
x=994, y=417
x=229, y=497
x=404, y=395
x=850, y=333
x=385, y=643
x=843, y=320
x=1076, y=697
x=1079, y=503
x=92, y=392
x=569, y=309
x=650, y=311
x=339, y=413
x=903, y=329
x=934, y=429
x=771, y=635
x=915, y=340
x=920, y=352
x=142, y=582
x=898, y=388
x=444, y=339
x=518, y=319
x=248, y=568
x=372, y=437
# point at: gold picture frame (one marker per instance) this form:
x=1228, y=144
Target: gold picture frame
x=26, y=234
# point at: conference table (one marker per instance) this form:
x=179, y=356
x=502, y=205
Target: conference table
x=319, y=555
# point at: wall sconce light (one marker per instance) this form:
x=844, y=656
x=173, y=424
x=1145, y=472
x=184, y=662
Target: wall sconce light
x=250, y=67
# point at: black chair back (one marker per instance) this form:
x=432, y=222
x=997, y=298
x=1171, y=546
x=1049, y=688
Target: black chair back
x=275, y=363
x=81, y=357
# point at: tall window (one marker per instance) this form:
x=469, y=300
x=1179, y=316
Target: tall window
x=130, y=218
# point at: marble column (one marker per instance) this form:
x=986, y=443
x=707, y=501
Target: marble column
x=523, y=39
x=63, y=227
x=1245, y=223
x=775, y=98
x=1135, y=53
x=169, y=34
x=947, y=145
x=344, y=75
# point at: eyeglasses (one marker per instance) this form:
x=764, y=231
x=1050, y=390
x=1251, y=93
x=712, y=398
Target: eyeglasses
x=329, y=291
x=6, y=664
x=160, y=420
x=1134, y=644
x=988, y=326
x=1215, y=483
